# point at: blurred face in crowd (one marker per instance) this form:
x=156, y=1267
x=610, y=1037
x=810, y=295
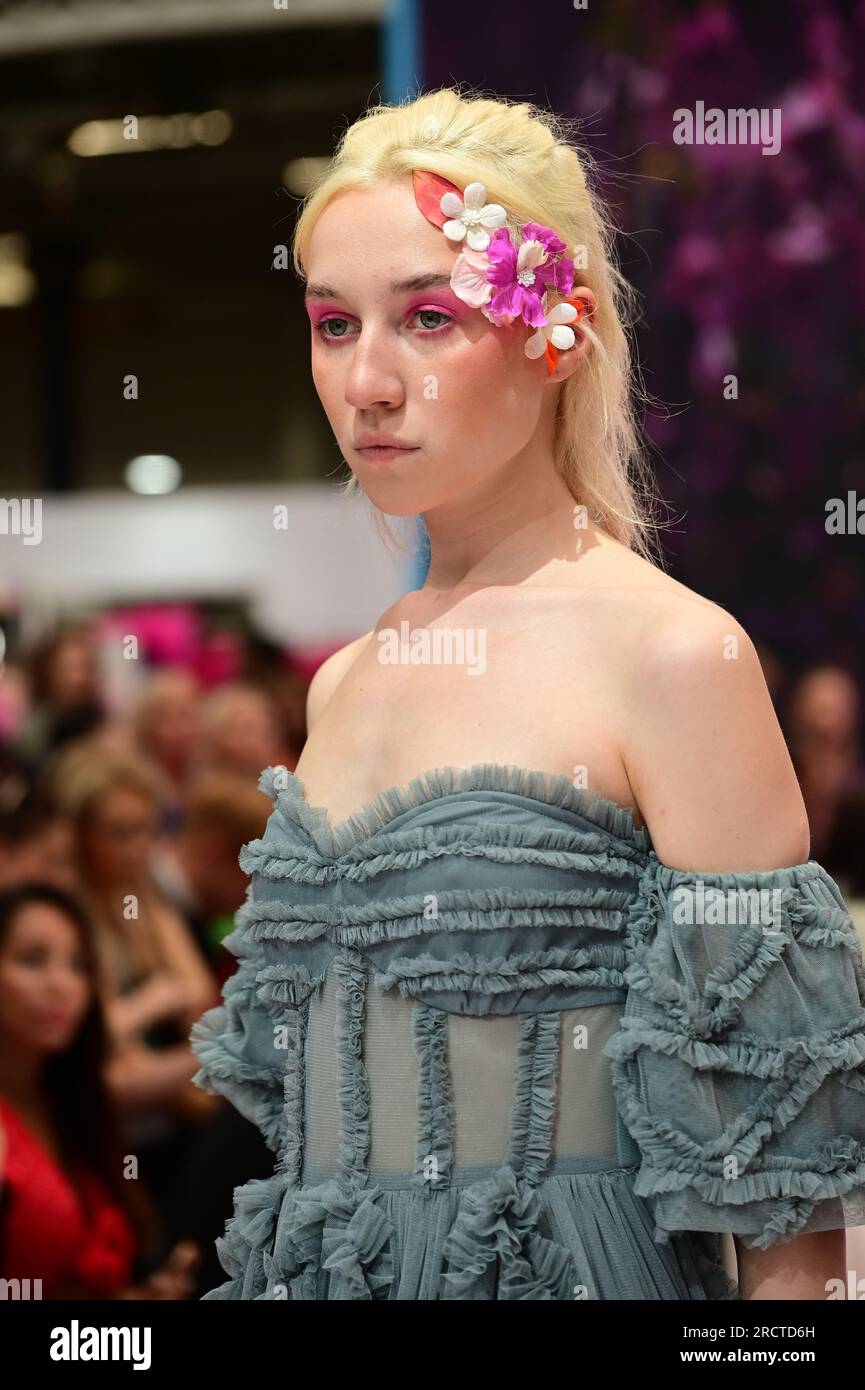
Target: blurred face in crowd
x=47, y=856
x=117, y=838
x=73, y=675
x=243, y=734
x=824, y=728
x=171, y=724
x=45, y=985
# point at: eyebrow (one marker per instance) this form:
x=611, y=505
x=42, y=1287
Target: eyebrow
x=434, y=280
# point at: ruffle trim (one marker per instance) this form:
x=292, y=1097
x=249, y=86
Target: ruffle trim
x=353, y=1095
x=281, y=856
x=536, y=970
x=435, y=1105
x=228, y=1067
x=687, y=1022
x=256, y=1092
x=553, y=790
x=500, y=1219
x=478, y=910
x=491, y=1239
x=342, y=1228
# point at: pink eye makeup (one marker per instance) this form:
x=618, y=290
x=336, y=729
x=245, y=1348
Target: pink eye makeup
x=322, y=315
x=427, y=319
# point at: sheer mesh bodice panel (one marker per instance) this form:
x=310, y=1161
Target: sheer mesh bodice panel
x=481, y=1055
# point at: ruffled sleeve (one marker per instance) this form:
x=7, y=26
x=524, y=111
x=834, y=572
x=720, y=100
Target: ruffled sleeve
x=739, y=1064
x=241, y=1044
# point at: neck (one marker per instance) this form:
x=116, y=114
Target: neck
x=21, y=1070
x=514, y=526
x=509, y=533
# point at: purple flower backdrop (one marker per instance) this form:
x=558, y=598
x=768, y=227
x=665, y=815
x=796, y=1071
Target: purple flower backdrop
x=748, y=264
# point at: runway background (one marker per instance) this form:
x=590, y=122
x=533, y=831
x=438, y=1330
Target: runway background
x=153, y=259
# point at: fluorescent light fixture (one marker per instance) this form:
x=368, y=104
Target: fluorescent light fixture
x=134, y=134
x=151, y=475
x=17, y=281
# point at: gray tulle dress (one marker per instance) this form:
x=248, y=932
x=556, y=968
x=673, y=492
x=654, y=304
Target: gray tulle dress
x=501, y=1051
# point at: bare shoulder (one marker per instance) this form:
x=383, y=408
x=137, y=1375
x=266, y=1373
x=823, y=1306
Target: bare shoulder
x=642, y=610
x=705, y=754
x=330, y=674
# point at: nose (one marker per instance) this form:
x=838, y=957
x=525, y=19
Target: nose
x=61, y=982
x=373, y=378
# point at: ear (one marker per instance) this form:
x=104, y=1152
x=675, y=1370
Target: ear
x=563, y=362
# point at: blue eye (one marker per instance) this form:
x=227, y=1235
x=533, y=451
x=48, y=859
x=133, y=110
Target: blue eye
x=436, y=314
x=325, y=323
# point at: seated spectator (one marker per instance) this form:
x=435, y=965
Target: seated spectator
x=70, y=1217
x=65, y=694
x=154, y=980
x=822, y=727
x=198, y=870
x=241, y=731
x=36, y=842
x=167, y=728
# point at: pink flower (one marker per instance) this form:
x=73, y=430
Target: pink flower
x=469, y=278
x=521, y=276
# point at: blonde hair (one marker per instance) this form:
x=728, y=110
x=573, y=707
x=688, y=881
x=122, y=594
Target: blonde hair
x=528, y=161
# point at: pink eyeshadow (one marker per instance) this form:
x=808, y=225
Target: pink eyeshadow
x=319, y=311
x=447, y=303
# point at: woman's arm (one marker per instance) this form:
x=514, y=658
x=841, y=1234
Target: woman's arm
x=801, y=1268
x=181, y=956
x=164, y=995
x=711, y=773
x=140, y=1076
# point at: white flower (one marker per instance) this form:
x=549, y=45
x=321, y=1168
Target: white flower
x=470, y=216
x=555, y=331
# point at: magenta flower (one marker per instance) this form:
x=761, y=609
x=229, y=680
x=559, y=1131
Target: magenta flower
x=522, y=275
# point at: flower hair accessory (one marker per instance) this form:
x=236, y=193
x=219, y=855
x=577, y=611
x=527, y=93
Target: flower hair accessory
x=504, y=279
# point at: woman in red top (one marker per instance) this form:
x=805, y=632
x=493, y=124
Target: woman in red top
x=68, y=1217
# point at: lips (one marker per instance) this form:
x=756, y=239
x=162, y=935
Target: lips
x=384, y=453
x=382, y=441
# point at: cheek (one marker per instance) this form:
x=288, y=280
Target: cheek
x=323, y=375
x=491, y=382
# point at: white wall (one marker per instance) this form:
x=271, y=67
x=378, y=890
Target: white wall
x=325, y=576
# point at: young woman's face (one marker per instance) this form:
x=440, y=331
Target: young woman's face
x=45, y=987
x=116, y=839
x=395, y=352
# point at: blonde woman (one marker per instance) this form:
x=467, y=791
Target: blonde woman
x=154, y=979
x=539, y=994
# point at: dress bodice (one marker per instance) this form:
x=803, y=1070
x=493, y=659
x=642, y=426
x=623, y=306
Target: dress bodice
x=488, y=980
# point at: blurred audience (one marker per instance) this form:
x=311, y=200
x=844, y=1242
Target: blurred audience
x=36, y=842
x=822, y=724
x=123, y=808
x=198, y=870
x=241, y=732
x=66, y=701
x=167, y=727
x=155, y=981
x=72, y=1215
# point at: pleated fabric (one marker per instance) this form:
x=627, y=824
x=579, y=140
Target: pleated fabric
x=501, y=1051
